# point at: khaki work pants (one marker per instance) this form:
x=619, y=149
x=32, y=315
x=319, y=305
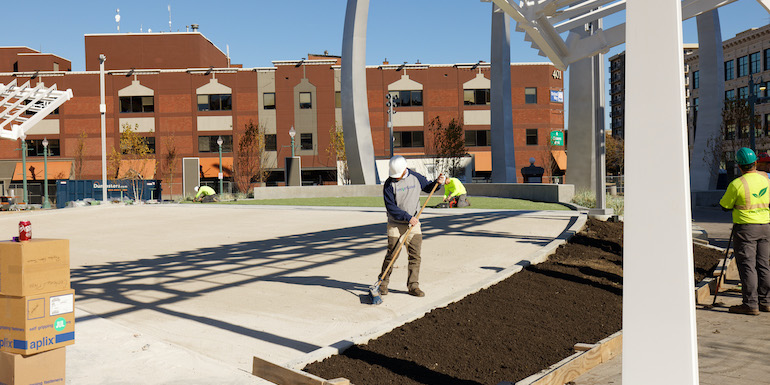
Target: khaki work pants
x=413, y=246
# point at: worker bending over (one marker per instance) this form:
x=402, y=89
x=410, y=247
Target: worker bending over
x=455, y=193
x=749, y=198
x=205, y=194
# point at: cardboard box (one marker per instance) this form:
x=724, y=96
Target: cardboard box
x=34, y=267
x=42, y=368
x=37, y=323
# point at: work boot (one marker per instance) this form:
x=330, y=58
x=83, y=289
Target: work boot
x=744, y=309
x=764, y=308
x=415, y=291
x=383, y=290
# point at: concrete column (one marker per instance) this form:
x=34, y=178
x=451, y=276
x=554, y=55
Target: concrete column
x=597, y=64
x=503, y=156
x=659, y=333
x=357, y=131
x=704, y=161
x=581, y=162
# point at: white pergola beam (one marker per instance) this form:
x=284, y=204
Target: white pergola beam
x=600, y=42
x=766, y=4
x=40, y=100
x=590, y=16
x=692, y=8
x=577, y=10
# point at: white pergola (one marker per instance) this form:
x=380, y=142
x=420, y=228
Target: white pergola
x=659, y=329
x=19, y=101
x=544, y=21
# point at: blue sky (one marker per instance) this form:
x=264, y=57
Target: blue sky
x=258, y=32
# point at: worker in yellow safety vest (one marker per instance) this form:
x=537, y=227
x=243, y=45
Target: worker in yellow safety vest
x=455, y=193
x=749, y=198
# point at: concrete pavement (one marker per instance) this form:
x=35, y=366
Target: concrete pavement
x=188, y=294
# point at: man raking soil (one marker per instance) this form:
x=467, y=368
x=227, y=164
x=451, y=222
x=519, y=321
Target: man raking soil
x=401, y=193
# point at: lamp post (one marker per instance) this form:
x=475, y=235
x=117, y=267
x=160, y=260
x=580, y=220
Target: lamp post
x=221, y=183
x=292, y=133
x=46, y=203
x=103, y=114
x=753, y=100
x=24, y=168
x=392, y=100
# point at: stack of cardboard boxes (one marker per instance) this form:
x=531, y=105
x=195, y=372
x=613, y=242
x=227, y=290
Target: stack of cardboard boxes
x=37, y=311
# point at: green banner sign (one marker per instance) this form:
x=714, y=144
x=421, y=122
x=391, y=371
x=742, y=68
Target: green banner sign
x=557, y=138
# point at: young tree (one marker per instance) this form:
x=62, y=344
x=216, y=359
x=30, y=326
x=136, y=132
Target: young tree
x=336, y=151
x=134, y=161
x=614, y=154
x=171, y=159
x=736, y=123
x=448, y=145
x=250, y=157
x=80, y=154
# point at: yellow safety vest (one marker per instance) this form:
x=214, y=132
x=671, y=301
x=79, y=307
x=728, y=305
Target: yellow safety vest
x=749, y=198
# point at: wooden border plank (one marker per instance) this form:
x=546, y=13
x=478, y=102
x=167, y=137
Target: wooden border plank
x=281, y=375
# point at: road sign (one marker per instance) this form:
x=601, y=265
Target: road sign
x=557, y=138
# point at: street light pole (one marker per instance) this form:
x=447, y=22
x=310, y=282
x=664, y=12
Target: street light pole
x=221, y=183
x=392, y=100
x=24, y=168
x=46, y=203
x=292, y=133
x=103, y=113
x=752, y=101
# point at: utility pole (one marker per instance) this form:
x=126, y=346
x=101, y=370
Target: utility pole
x=392, y=100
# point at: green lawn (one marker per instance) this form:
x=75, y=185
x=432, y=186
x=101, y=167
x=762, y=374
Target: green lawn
x=476, y=203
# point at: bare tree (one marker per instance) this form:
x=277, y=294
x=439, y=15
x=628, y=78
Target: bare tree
x=448, y=145
x=171, y=159
x=80, y=154
x=336, y=151
x=251, y=163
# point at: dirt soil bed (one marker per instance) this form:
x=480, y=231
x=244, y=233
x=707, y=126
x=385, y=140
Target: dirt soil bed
x=511, y=330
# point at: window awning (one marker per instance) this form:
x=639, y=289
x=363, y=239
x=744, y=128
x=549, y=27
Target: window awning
x=560, y=156
x=209, y=167
x=35, y=170
x=482, y=160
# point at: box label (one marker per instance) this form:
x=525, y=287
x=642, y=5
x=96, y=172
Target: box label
x=62, y=304
x=36, y=308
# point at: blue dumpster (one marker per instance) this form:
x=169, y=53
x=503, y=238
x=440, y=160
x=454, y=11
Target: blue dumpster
x=75, y=190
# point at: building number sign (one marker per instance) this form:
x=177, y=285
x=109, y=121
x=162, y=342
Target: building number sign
x=556, y=74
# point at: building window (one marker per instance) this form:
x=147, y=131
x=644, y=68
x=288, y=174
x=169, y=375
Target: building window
x=695, y=103
x=730, y=70
x=695, y=80
x=743, y=92
x=767, y=124
x=730, y=131
x=268, y=100
x=767, y=60
x=305, y=100
x=137, y=104
x=209, y=143
x=150, y=141
x=402, y=139
x=35, y=147
x=532, y=137
x=730, y=95
x=743, y=66
x=755, y=65
x=217, y=102
x=337, y=99
x=306, y=141
x=530, y=95
x=478, y=138
x=407, y=98
x=271, y=143
x=476, y=97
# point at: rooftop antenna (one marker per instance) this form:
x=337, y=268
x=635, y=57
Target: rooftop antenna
x=169, y=17
x=117, y=18
x=228, y=55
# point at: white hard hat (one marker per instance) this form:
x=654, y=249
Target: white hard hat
x=196, y=188
x=397, y=166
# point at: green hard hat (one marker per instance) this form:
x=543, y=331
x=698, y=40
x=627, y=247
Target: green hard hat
x=745, y=156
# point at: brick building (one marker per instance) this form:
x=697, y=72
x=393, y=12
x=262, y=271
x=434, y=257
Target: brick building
x=179, y=90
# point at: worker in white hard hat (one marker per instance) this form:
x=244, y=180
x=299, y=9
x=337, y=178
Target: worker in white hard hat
x=401, y=193
x=205, y=194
